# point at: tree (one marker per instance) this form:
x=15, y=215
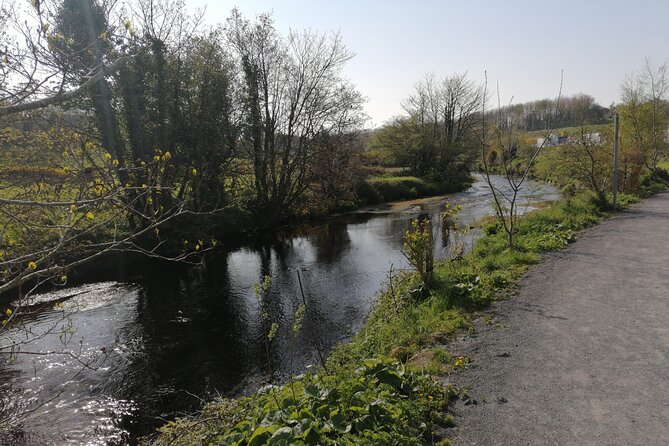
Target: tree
x=542, y=114
x=336, y=172
x=402, y=139
x=502, y=134
x=445, y=111
x=42, y=67
x=204, y=127
x=294, y=96
x=69, y=191
x=644, y=114
x=655, y=84
x=585, y=162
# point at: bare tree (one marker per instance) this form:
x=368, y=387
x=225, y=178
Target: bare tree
x=445, y=110
x=654, y=82
x=295, y=95
x=644, y=120
x=502, y=131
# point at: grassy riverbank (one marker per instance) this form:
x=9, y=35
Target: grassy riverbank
x=385, y=188
x=381, y=388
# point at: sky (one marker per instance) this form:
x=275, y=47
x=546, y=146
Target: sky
x=522, y=45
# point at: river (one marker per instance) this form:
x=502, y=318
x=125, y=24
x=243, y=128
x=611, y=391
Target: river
x=131, y=354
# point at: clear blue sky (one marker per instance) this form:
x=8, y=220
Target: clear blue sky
x=522, y=44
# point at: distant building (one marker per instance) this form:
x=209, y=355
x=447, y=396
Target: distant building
x=593, y=138
x=551, y=141
x=554, y=140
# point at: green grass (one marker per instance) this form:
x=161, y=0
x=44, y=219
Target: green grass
x=393, y=188
x=390, y=187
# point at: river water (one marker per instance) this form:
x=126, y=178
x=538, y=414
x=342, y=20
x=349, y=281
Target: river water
x=111, y=361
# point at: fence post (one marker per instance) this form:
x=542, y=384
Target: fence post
x=616, y=127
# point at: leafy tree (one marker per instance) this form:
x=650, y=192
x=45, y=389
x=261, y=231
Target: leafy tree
x=402, y=139
x=204, y=128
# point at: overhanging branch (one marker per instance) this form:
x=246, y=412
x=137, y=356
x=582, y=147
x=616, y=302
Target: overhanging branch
x=64, y=96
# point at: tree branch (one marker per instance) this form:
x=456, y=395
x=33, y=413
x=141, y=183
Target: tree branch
x=65, y=96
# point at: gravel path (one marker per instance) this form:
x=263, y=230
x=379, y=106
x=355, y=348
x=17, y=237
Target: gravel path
x=581, y=355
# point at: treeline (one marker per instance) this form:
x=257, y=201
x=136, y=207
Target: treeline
x=558, y=113
x=247, y=116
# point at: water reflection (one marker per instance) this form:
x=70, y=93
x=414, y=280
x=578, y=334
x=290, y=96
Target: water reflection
x=161, y=343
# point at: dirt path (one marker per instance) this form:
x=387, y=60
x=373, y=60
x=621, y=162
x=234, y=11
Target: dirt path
x=581, y=355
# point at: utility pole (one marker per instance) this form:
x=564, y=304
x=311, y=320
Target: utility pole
x=616, y=127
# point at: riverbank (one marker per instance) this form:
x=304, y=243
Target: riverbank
x=237, y=225
x=380, y=388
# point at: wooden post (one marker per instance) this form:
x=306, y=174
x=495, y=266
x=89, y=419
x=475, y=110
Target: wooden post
x=616, y=127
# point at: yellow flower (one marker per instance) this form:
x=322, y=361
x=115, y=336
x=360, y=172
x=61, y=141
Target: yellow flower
x=63, y=278
x=108, y=156
x=32, y=266
x=115, y=163
x=90, y=215
x=156, y=158
x=194, y=171
x=8, y=312
x=167, y=156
